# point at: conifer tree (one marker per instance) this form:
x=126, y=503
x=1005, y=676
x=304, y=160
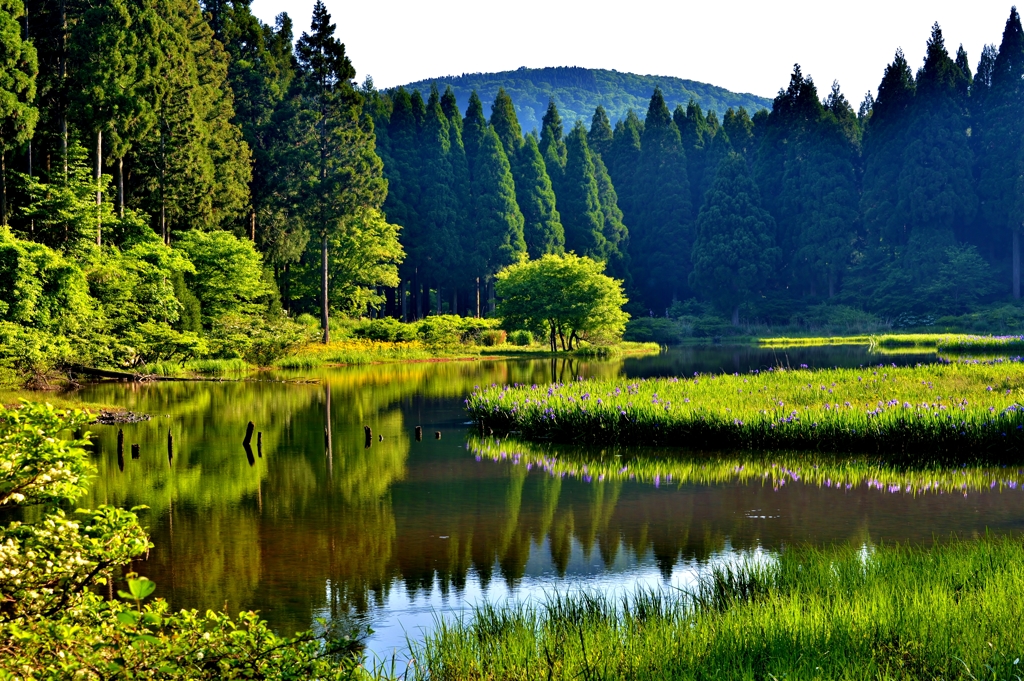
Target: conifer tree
x=542, y=228
x=660, y=213
x=615, y=232
x=1000, y=143
x=579, y=200
x=342, y=177
x=506, y=124
x=734, y=254
x=474, y=127
x=600, y=136
x=937, y=199
x=695, y=136
x=740, y=129
x=439, y=246
x=18, y=114
x=496, y=221
x=623, y=158
x=552, y=145
x=883, y=157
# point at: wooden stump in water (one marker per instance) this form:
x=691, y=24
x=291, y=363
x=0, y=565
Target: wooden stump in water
x=120, y=460
x=437, y=434
x=419, y=433
x=369, y=437
x=380, y=438
x=170, y=446
x=135, y=451
x=259, y=444
x=248, y=433
x=120, y=443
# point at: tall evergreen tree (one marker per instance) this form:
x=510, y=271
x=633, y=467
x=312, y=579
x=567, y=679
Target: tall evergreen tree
x=542, y=228
x=496, y=221
x=1000, y=143
x=552, y=143
x=440, y=250
x=474, y=128
x=616, y=234
x=506, y=123
x=660, y=216
x=342, y=176
x=600, y=136
x=579, y=199
x=734, y=254
x=18, y=114
x=695, y=136
x=623, y=159
x=740, y=129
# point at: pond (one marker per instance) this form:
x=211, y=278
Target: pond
x=394, y=534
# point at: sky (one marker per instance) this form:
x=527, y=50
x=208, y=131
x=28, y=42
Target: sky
x=741, y=45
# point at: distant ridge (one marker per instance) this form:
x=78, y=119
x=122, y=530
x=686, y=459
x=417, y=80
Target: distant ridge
x=577, y=91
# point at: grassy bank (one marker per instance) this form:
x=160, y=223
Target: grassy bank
x=954, y=412
x=840, y=613
x=778, y=470
x=947, y=343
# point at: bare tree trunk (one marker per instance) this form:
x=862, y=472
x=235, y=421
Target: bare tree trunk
x=551, y=340
x=325, y=315
x=1016, y=264
x=286, y=290
x=99, y=188
x=455, y=300
x=736, y=316
x=120, y=187
x=405, y=301
x=478, y=297
x=252, y=226
x=3, y=188
x=439, y=299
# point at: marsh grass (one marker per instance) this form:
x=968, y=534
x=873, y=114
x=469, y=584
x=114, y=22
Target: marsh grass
x=972, y=345
x=813, y=341
x=805, y=468
x=939, y=413
x=951, y=611
x=360, y=352
x=208, y=367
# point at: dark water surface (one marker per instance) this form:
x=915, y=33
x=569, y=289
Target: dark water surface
x=400, y=531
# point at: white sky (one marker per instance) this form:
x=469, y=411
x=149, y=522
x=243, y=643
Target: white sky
x=743, y=46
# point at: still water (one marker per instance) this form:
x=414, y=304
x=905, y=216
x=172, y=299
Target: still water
x=405, y=531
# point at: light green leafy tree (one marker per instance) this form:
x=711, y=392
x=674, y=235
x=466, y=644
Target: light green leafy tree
x=567, y=297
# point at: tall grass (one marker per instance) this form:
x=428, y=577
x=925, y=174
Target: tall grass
x=952, y=611
x=982, y=345
x=357, y=352
x=953, y=412
x=214, y=367
x=805, y=468
x=796, y=341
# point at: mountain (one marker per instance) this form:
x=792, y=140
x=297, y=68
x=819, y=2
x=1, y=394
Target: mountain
x=577, y=91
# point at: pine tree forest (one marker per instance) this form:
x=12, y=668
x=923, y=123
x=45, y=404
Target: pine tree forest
x=147, y=143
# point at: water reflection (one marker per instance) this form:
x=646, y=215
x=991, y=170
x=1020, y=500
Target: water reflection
x=320, y=524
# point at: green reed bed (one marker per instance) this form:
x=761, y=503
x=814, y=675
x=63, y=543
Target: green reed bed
x=821, y=470
x=942, y=413
x=1004, y=345
x=814, y=341
x=952, y=611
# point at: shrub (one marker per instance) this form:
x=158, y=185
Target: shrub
x=441, y=332
x=521, y=338
x=492, y=337
x=386, y=329
x=653, y=330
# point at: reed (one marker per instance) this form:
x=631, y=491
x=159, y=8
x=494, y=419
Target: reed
x=949, y=611
x=939, y=413
x=776, y=471
x=1004, y=345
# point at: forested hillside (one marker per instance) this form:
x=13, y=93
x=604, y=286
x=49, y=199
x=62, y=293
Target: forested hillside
x=182, y=181
x=577, y=91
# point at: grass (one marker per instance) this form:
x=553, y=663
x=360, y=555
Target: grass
x=982, y=345
x=805, y=468
x=894, y=612
x=215, y=367
x=939, y=413
x=794, y=342
x=60, y=399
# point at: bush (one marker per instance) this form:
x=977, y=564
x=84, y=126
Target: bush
x=521, y=338
x=441, y=332
x=492, y=337
x=653, y=330
x=386, y=329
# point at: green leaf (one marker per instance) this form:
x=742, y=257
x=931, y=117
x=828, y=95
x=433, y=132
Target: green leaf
x=127, y=617
x=141, y=587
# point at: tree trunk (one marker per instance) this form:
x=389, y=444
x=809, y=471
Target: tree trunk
x=831, y=285
x=478, y=297
x=416, y=294
x=1016, y=264
x=438, y=299
x=736, y=316
x=405, y=301
x=99, y=190
x=252, y=226
x=325, y=317
x=32, y=221
x=455, y=300
x=120, y=187
x=551, y=340
x=3, y=188
x=286, y=290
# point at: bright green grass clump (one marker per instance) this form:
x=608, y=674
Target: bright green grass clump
x=813, y=341
x=953, y=611
x=1003, y=345
x=806, y=468
x=937, y=413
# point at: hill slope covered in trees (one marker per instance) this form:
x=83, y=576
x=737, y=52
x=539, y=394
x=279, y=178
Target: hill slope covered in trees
x=577, y=91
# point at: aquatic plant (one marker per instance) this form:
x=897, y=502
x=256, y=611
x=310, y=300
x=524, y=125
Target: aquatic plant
x=846, y=612
x=951, y=413
x=982, y=345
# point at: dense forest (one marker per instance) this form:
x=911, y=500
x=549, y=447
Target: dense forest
x=183, y=179
x=577, y=91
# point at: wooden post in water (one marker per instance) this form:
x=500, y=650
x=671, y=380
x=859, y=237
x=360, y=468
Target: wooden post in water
x=170, y=446
x=248, y=433
x=259, y=444
x=419, y=433
x=135, y=451
x=120, y=443
x=120, y=460
x=437, y=434
x=369, y=436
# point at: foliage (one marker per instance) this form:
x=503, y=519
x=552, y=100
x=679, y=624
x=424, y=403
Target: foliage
x=492, y=337
x=565, y=296
x=521, y=338
x=53, y=625
x=227, y=278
